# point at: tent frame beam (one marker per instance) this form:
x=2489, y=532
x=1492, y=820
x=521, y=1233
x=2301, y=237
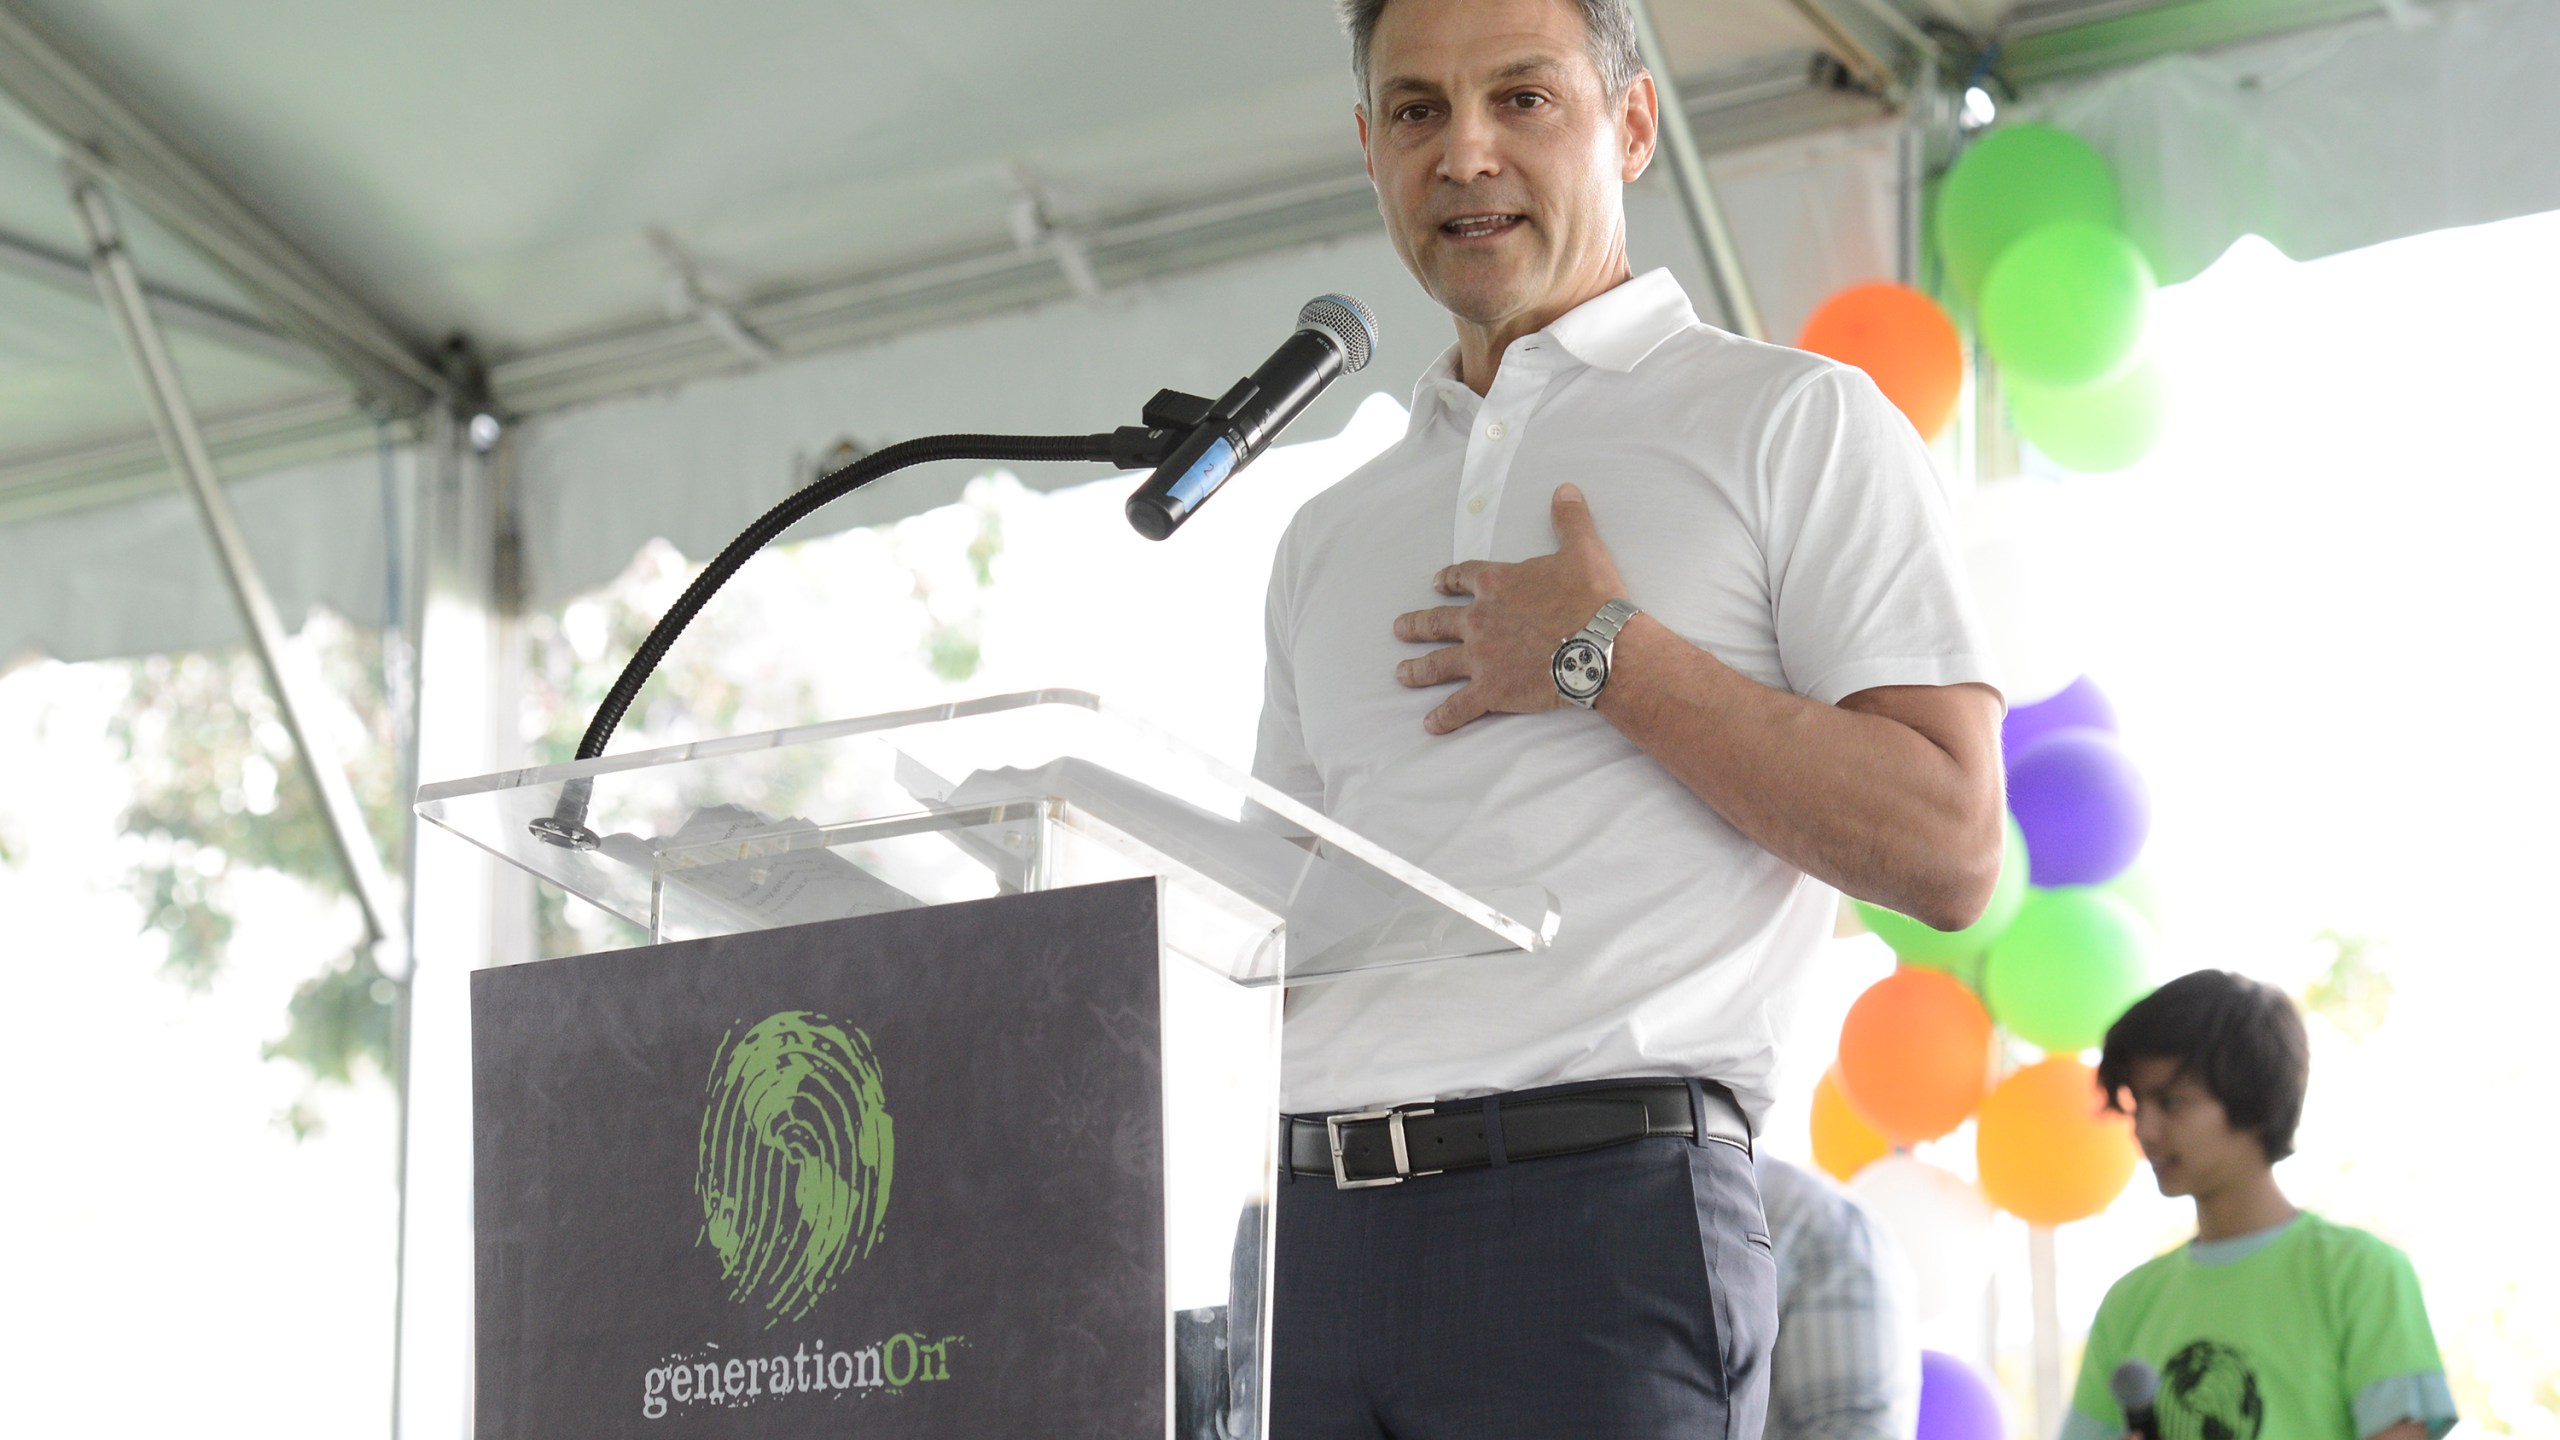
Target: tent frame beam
x=97, y=125
x=1716, y=246
x=120, y=287
x=1869, y=66
x=176, y=309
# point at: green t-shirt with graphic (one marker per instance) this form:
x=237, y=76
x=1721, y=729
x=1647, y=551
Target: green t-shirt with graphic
x=2310, y=1331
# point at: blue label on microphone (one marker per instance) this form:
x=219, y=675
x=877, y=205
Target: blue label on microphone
x=1206, y=474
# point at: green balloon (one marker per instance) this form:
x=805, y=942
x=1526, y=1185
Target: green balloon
x=2065, y=305
x=2016, y=179
x=1954, y=951
x=2097, y=428
x=2139, y=886
x=2069, y=965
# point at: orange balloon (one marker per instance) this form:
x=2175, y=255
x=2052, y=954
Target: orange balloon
x=2049, y=1150
x=1915, y=1054
x=1904, y=342
x=1843, y=1142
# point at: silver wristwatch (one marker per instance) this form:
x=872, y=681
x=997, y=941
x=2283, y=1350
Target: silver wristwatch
x=1581, y=663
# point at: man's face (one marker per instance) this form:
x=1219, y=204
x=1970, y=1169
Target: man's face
x=2184, y=1133
x=1499, y=155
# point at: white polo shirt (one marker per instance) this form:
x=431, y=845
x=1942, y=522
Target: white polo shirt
x=1767, y=505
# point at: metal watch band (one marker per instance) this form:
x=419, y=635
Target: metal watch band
x=1613, y=617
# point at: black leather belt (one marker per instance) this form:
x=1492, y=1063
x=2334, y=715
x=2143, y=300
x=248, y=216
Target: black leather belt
x=1384, y=1147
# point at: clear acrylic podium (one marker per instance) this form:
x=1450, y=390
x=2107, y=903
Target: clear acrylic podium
x=1016, y=794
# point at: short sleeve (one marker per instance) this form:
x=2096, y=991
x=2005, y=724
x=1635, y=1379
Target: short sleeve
x=1280, y=758
x=2094, y=1411
x=2388, y=1355
x=1865, y=569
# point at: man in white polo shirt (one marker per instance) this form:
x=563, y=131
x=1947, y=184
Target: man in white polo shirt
x=1663, y=619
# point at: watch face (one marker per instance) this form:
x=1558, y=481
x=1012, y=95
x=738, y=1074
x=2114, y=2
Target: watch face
x=1580, y=668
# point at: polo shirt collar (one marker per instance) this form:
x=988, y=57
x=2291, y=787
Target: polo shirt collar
x=1617, y=328
x=1613, y=330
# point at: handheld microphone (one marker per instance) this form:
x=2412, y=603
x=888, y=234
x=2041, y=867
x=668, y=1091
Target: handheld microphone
x=2136, y=1386
x=1335, y=336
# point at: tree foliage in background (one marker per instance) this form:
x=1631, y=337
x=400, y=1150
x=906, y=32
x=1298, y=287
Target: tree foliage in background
x=218, y=791
x=951, y=641
x=2354, y=992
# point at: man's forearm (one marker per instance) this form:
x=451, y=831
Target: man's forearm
x=1862, y=801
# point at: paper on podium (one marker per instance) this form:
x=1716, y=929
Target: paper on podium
x=757, y=891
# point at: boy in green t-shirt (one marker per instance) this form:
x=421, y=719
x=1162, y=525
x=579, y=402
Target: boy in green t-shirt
x=2272, y=1324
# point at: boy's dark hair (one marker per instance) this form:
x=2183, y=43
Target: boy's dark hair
x=2241, y=1038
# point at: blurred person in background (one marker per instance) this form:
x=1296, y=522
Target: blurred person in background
x=1847, y=1362
x=2272, y=1321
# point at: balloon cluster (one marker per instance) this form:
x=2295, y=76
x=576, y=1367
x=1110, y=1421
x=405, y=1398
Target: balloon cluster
x=2032, y=235
x=2061, y=950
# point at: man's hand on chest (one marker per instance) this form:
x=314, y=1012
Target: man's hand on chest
x=1505, y=635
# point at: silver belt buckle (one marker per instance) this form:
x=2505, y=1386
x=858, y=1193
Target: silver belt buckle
x=1395, y=1144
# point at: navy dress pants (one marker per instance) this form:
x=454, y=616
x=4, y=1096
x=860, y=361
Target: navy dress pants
x=1620, y=1293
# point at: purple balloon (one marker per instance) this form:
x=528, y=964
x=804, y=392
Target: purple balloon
x=1956, y=1403
x=2080, y=704
x=2082, y=806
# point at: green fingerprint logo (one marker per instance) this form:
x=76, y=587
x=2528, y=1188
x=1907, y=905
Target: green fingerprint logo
x=794, y=1162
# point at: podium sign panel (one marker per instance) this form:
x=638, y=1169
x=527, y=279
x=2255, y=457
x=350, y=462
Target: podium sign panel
x=901, y=1175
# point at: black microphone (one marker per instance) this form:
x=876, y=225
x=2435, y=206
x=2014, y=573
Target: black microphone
x=2135, y=1386
x=1335, y=336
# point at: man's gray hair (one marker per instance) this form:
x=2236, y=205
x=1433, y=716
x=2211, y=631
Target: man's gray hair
x=1609, y=29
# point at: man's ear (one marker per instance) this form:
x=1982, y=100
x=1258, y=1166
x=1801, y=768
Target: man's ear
x=1360, y=118
x=1640, y=123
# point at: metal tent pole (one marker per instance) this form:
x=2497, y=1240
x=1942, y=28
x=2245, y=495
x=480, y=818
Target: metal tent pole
x=2043, y=1272
x=1923, y=118
x=121, y=288
x=1871, y=69
x=470, y=913
x=1697, y=197
x=175, y=308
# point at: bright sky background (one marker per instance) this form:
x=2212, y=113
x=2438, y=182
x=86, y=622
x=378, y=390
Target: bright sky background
x=2323, y=607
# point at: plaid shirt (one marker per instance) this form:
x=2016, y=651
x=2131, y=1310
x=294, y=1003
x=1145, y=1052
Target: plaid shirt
x=1847, y=1361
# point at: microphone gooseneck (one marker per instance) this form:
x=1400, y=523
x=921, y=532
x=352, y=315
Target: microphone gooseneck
x=1183, y=437
x=770, y=525
x=566, y=825
x=1335, y=336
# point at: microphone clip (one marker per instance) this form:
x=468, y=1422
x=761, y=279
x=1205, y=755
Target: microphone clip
x=1167, y=421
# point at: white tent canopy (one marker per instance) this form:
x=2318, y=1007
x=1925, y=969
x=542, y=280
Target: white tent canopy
x=2324, y=138
x=2333, y=139
x=602, y=196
